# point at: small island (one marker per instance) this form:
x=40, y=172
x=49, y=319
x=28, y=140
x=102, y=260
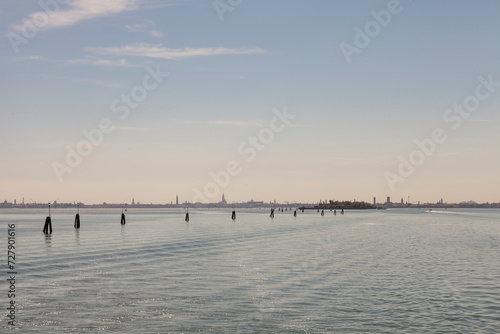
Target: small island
x=336, y=205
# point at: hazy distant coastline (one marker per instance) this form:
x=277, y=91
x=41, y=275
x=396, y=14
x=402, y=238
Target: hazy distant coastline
x=254, y=204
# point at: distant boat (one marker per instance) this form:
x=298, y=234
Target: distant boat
x=381, y=208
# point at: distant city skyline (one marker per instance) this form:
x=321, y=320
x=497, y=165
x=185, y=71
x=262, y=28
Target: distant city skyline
x=223, y=204
x=224, y=201
x=271, y=100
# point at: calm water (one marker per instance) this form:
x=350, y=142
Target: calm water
x=394, y=271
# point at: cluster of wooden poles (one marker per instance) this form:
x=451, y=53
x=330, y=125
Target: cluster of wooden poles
x=47, y=228
x=334, y=212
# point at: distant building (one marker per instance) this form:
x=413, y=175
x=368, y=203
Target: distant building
x=374, y=201
x=177, y=200
x=15, y=202
x=402, y=201
x=253, y=204
x=223, y=201
x=388, y=199
x=133, y=201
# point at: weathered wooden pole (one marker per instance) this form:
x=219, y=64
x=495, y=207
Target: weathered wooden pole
x=122, y=221
x=47, y=228
x=77, y=217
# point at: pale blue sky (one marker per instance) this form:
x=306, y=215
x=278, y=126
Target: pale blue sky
x=353, y=120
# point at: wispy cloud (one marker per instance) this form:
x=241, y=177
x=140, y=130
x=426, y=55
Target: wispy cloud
x=103, y=62
x=99, y=62
x=140, y=27
x=156, y=33
x=86, y=61
x=35, y=57
x=158, y=51
x=79, y=10
x=145, y=27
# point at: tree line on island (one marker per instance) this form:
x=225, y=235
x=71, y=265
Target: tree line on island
x=334, y=205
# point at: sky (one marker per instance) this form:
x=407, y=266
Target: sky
x=295, y=101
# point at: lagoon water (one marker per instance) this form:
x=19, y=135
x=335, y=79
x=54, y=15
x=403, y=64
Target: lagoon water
x=394, y=271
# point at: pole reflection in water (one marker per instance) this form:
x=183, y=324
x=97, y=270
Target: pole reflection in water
x=77, y=237
x=48, y=240
x=124, y=234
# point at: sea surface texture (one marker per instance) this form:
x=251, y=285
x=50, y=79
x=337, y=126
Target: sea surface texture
x=394, y=271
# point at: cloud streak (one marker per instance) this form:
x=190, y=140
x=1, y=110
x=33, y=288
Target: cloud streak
x=86, y=61
x=98, y=62
x=104, y=62
x=145, y=27
x=160, y=52
x=79, y=10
